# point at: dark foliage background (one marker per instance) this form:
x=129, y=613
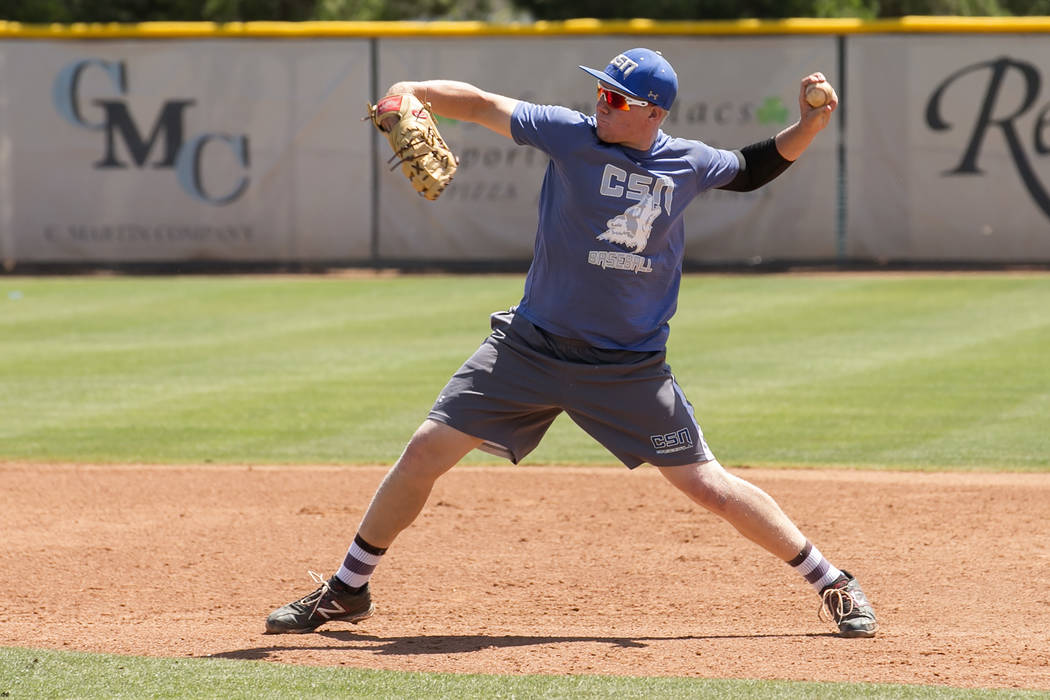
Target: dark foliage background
x=41, y=11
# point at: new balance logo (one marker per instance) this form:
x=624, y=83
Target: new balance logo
x=336, y=609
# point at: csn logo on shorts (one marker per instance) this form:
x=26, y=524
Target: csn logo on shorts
x=672, y=442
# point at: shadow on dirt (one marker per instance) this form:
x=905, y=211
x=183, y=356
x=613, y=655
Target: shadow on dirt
x=462, y=644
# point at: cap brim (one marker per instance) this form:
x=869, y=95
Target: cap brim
x=605, y=78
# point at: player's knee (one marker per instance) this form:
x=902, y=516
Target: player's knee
x=709, y=486
x=416, y=463
x=431, y=452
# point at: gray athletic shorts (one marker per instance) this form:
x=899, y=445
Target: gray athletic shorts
x=511, y=390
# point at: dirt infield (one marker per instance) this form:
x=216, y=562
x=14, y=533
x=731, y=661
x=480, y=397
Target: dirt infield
x=534, y=570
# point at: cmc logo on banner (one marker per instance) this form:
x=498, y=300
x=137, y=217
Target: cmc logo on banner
x=1005, y=114
x=165, y=146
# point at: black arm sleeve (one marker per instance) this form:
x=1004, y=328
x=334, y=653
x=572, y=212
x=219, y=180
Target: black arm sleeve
x=759, y=163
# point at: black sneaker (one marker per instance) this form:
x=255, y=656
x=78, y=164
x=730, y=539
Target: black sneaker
x=848, y=607
x=333, y=601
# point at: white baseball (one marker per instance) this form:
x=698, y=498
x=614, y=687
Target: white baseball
x=818, y=94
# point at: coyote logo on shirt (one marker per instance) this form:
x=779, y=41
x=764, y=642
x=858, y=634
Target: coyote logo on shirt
x=653, y=194
x=631, y=229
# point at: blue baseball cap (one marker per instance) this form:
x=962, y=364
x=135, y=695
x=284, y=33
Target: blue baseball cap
x=643, y=74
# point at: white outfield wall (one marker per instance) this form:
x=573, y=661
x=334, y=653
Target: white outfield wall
x=167, y=143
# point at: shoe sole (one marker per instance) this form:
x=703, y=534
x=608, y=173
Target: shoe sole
x=305, y=630
x=857, y=634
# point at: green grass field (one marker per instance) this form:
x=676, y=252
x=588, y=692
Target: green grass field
x=945, y=372
x=929, y=372
x=27, y=673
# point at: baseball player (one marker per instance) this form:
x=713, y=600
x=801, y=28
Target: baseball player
x=589, y=334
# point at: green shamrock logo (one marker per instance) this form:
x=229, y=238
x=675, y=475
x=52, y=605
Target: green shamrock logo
x=772, y=111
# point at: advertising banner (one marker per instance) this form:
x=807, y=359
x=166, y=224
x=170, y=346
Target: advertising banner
x=185, y=150
x=225, y=149
x=732, y=92
x=949, y=139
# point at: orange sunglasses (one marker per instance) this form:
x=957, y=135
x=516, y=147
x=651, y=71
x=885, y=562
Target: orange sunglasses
x=618, y=100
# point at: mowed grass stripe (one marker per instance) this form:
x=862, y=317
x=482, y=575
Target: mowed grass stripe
x=915, y=371
x=835, y=382
x=224, y=364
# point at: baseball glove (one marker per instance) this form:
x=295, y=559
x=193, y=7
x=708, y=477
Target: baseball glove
x=423, y=155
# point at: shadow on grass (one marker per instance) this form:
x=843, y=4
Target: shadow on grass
x=465, y=643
